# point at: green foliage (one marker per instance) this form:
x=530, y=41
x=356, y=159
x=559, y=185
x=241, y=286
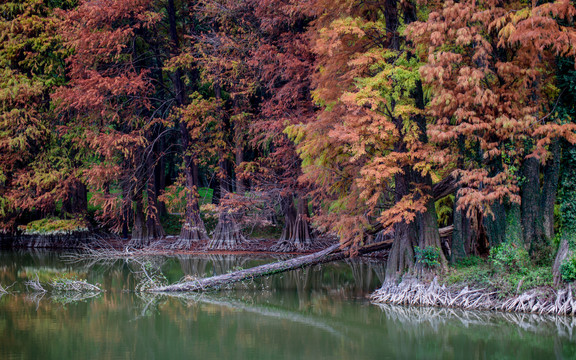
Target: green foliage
x=468, y=261
x=209, y=215
x=54, y=226
x=479, y=273
x=428, y=256
x=444, y=210
x=263, y=232
x=205, y=196
x=510, y=258
x=171, y=223
x=568, y=268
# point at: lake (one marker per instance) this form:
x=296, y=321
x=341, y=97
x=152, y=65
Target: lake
x=316, y=313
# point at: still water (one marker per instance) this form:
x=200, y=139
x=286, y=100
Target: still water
x=318, y=313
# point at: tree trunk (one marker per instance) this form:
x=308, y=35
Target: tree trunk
x=193, y=229
x=227, y=235
x=495, y=225
x=216, y=190
x=77, y=201
x=140, y=237
x=401, y=256
x=153, y=225
x=296, y=234
x=567, y=210
x=530, y=205
x=549, y=191
x=462, y=230
x=564, y=252
x=126, y=210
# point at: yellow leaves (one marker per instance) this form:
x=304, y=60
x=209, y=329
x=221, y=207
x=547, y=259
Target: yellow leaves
x=348, y=25
x=296, y=133
x=505, y=33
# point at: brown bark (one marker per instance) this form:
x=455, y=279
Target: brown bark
x=140, y=237
x=469, y=236
x=530, y=206
x=77, y=201
x=495, y=224
x=296, y=234
x=193, y=228
x=153, y=225
x=549, y=191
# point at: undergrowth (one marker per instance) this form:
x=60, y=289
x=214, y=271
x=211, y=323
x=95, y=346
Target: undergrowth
x=492, y=274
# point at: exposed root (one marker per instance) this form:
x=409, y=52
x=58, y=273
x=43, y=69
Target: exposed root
x=415, y=293
x=227, y=235
x=288, y=245
x=35, y=286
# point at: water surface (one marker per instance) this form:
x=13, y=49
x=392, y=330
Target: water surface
x=318, y=313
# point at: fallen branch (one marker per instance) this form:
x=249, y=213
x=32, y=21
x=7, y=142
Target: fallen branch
x=332, y=253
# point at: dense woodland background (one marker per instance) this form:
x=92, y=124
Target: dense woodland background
x=446, y=126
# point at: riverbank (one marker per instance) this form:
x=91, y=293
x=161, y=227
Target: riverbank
x=542, y=300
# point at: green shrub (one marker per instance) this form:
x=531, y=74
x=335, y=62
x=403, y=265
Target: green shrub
x=54, y=226
x=509, y=257
x=428, y=256
x=568, y=268
x=171, y=223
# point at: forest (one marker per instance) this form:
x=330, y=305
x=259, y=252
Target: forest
x=446, y=128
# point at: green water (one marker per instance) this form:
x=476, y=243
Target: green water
x=319, y=313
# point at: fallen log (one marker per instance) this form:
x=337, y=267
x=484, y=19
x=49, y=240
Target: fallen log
x=332, y=253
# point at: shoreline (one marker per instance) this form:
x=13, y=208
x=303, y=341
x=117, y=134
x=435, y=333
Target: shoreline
x=412, y=292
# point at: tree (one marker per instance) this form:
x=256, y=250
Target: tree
x=36, y=169
x=368, y=152
x=489, y=73
x=285, y=64
x=108, y=93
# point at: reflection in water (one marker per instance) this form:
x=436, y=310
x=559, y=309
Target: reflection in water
x=318, y=313
x=434, y=318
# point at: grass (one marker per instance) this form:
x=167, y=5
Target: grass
x=481, y=273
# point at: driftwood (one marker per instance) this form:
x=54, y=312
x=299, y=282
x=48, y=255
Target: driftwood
x=329, y=254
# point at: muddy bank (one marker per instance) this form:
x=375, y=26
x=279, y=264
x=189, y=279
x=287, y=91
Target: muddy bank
x=412, y=292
